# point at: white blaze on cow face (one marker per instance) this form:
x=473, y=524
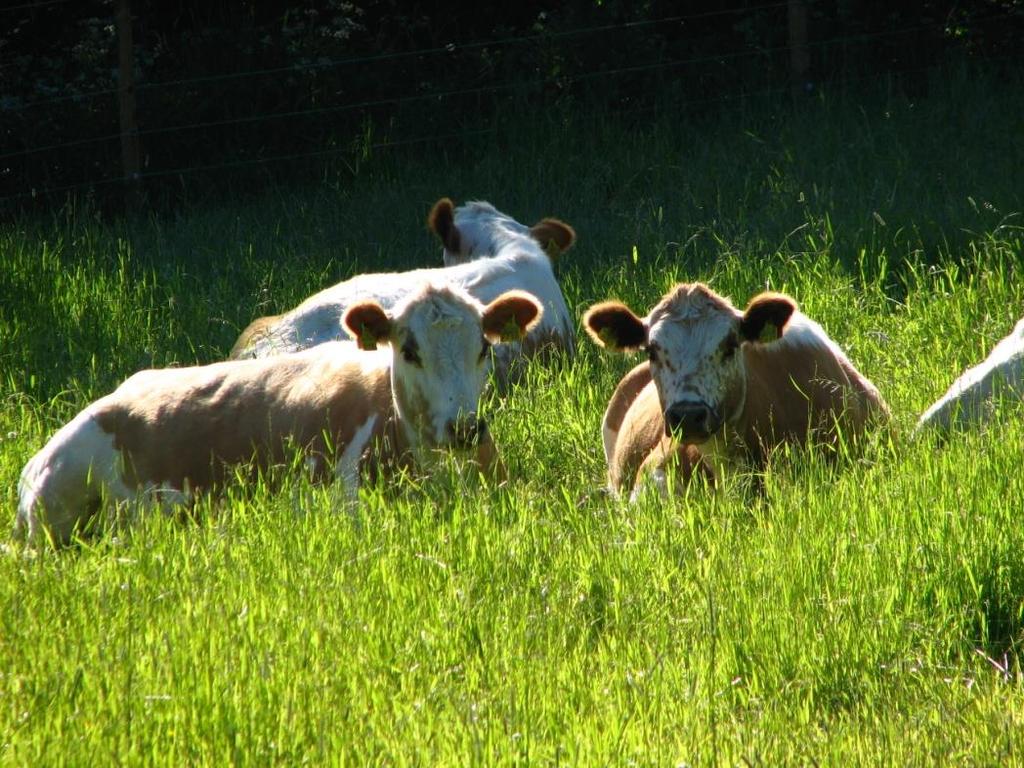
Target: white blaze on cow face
x=440, y=339
x=479, y=230
x=693, y=340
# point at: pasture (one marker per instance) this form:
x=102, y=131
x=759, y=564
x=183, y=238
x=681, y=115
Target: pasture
x=868, y=612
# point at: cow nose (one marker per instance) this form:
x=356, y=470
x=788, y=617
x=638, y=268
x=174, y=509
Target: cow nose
x=466, y=430
x=690, y=421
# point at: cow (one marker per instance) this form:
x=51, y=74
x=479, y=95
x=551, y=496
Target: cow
x=485, y=251
x=721, y=385
x=166, y=434
x=972, y=397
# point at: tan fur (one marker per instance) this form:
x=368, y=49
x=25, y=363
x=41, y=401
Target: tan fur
x=640, y=430
x=625, y=393
x=186, y=425
x=795, y=394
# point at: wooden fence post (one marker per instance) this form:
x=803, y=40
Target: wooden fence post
x=126, y=99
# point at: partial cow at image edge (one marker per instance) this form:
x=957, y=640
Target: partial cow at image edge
x=971, y=399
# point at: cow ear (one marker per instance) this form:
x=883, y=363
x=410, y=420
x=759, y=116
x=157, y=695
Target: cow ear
x=441, y=222
x=612, y=325
x=555, y=237
x=765, y=317
x=510, y=316
x=368, y=323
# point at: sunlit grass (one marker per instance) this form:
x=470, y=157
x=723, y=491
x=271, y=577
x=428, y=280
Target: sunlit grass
x=868, y=611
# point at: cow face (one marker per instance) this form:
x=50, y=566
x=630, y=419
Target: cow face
x=693, y=339
x=478, y=230
x=440, y=338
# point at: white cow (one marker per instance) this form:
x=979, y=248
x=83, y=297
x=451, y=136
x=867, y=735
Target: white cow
x=721, y=385
x=972, y=397
x=485, y=251
x=165, y=433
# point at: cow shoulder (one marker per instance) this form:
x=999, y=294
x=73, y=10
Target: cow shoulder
x=625, y=393
x=799, y=384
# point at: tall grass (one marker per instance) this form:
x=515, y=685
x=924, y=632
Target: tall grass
x=868, y=612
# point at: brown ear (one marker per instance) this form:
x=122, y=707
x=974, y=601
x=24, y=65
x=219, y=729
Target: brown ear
x=555, y=236
x=765, y=317
x=510, y=316
x=612, y=325
x=368, y=323
x=441, y=222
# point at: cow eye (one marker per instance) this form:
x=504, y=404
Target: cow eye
x=652, y=354
x=729, y=347
x=486, y=348
x=410, y=355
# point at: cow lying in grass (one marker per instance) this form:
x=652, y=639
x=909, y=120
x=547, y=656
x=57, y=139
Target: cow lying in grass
x=972, y=397
x=165, y=433
x=720, y=384
x=485, y=251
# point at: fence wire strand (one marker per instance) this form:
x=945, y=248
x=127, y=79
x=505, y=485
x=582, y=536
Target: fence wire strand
x=384, y=145
x=375, y=58
x=480, y=90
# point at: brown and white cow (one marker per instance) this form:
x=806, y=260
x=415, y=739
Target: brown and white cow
x=720, y=384
x=165, y=433
x=486, y=252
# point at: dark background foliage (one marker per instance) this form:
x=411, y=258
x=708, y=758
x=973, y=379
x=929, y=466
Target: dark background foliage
x=235, y=95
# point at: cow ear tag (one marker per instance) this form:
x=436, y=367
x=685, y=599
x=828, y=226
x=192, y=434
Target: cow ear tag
x=769, y=333
x=607, y=336
x=511, y=330
x=367, y=340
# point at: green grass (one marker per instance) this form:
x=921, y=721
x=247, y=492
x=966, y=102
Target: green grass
x=866, y=613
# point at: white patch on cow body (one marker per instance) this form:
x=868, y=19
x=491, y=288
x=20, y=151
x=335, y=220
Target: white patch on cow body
x=971, y=397
x=505, y=257
x=346, y=469
x=802, y=331
x=656, y=481
x=609, y=437
x=63, y=481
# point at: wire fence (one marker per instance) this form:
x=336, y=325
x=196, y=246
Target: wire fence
x=263, y=118
x=34, y=6
x=417, y=53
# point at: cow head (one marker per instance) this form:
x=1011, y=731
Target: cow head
x=440, y=337
x=693, y=339
x=478, y=230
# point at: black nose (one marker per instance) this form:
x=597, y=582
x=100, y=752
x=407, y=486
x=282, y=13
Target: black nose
x=690, y=421
x=466, y=430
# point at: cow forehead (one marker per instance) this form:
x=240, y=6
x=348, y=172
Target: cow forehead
x=484, y=228
x=441, y=314
x=690, y=320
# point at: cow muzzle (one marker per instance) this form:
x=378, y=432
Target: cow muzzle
x=691, y=422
